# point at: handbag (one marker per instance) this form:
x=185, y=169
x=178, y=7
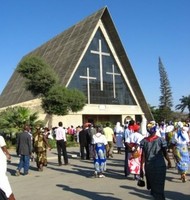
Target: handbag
x=141, y=181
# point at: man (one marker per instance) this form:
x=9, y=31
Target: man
x=84, y=141
x=4, y=182
x=109, y=134
x=24, y=150
x=61, y=141
x=91, y=132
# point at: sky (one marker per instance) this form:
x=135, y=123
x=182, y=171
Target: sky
x=148, y=29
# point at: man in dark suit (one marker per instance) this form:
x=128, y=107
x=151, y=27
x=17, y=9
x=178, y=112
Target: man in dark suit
x=84, y=141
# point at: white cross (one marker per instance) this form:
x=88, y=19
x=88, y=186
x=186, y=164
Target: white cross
x=100, y=53
x=88, y=82
x=113, y=76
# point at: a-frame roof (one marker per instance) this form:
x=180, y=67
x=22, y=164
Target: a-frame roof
x=63, y=52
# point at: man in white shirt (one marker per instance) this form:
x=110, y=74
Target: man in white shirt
x=61, y=142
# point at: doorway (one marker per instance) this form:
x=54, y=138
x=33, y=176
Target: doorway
x=101, y=119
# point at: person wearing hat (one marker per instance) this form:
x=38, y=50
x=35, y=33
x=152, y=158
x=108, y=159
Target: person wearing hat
x=180, y=142
x=154, y=150
x=40, y=143
x=134, y=153
x=169, y=134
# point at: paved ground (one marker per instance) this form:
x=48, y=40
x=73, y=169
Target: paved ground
x=75, y=182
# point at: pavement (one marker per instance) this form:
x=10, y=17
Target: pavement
x=76, y=181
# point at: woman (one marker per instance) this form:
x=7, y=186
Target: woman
x=162, y=129
x=40, y=147
x=134, y=153
x=99, y=142
x=119, y=139
x=169, y=134
x=118, y=128
x=180, y=150
x=154, y=150
x=127, y=132
x=4, y=182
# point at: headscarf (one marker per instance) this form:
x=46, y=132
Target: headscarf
x=118, y=128
x=135, y=128
x=152, y=128
x=179, y=130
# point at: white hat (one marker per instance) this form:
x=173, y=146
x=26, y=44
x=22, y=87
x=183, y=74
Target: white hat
x=180, y=124
x=152, y=122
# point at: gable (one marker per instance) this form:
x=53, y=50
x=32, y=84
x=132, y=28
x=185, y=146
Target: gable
x=99, y=76
x=66, y=51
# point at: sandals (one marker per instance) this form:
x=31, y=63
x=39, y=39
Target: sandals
x=183, y=178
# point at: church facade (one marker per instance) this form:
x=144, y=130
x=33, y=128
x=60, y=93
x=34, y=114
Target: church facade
x=88, y=56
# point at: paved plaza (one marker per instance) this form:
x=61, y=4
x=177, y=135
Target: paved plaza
x=76, y=181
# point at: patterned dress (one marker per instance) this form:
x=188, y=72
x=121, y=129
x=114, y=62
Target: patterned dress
x=134, y=159
x=181, y=154
x=40, y=148
x=99, y=141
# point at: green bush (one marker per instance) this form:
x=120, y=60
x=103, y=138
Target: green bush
x=103, y=124
x=52, y=143
x=9, y=144
x=70, y=142
x=69, y=138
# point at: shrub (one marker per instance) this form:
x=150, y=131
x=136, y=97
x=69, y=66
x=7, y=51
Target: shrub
x=52, y=143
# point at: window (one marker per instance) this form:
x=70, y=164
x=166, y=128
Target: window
x=99, y=77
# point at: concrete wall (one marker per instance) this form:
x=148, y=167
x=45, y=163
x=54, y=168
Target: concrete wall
x=75, y=119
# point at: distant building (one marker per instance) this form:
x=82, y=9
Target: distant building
x=88, y=56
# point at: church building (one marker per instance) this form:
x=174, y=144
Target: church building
x=90, y=57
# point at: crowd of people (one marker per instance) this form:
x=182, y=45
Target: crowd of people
x=146, y=155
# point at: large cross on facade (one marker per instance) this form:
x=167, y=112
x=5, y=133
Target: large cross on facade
x=88, y=77
x=100, y=53
x=113, y=78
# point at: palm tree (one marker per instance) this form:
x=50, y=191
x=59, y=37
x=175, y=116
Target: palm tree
x=185, y=103
x=13, y=119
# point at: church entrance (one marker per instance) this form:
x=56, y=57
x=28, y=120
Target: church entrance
x=102, y=119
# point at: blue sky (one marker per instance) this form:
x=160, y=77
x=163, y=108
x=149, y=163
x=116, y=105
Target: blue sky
x=148, y=29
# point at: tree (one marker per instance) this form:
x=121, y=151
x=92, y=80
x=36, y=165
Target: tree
x=41, y=80
x=13, y=119
x=166, y=94
x=76, y=100
x=185, y=103
x=60, y=101
x=174, y=116
x=40, y=77
x=156, y=113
